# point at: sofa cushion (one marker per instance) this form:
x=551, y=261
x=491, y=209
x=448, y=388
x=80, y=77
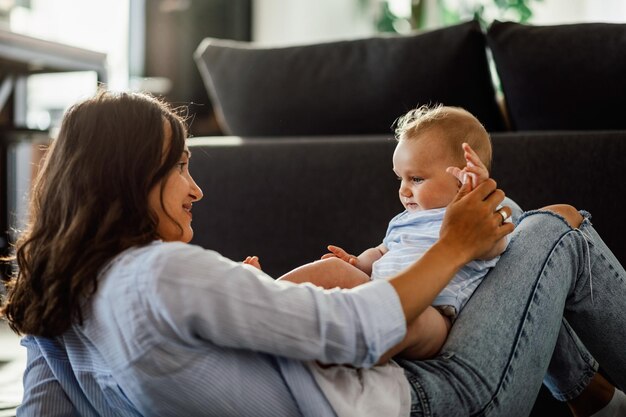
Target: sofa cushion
x=285, y=199
x=357, y=86
x=580, y=168
x=561, y=77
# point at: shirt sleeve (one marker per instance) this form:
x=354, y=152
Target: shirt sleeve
x=202, y=297
x=43, y=395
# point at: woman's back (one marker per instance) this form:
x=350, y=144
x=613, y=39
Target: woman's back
x=128, y=353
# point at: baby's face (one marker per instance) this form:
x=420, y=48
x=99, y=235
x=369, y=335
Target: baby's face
x=420, y=164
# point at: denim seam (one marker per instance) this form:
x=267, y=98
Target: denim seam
x=522, y=325
x=422, y=398
x=577, y=389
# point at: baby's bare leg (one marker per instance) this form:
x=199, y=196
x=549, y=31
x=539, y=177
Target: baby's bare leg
x=424, y=337
x=328, y=273
x=570, y=213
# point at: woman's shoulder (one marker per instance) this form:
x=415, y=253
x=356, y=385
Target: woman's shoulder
x=141, y=275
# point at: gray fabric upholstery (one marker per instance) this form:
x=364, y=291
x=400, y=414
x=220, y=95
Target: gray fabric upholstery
x=562, y=76
x=285, y=199
x=349, y=87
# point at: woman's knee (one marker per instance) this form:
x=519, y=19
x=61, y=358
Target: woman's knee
x=569, y=213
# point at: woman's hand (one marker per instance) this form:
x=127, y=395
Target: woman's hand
x=472, y=226
x=474, y=171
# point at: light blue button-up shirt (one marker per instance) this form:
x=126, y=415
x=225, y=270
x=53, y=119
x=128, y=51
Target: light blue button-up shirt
x=176, y=330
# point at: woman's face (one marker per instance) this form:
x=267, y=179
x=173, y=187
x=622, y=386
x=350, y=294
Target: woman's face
x=178, y=194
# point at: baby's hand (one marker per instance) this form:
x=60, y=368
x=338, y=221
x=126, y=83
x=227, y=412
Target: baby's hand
x=254, y=261
x=474, y=170
x=475, y=167
x=337, y=252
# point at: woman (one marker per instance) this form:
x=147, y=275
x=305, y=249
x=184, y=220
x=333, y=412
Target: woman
x=122, y=317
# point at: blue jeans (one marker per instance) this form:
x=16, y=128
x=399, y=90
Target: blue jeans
x=500, y=348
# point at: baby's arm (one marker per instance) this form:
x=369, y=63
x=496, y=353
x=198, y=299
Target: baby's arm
x=364, y=261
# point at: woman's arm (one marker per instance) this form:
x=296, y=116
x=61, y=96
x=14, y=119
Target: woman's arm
x=200, y=298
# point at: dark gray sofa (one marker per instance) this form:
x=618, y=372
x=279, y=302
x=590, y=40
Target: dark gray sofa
x=308, y=159
x=285, y=199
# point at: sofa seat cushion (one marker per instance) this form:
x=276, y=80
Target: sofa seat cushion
x=561, y=77
x=357, y=86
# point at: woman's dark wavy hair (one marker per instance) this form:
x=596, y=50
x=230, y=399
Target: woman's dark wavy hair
x=89, y=203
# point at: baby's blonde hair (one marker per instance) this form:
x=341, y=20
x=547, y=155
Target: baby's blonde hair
x=457, y=125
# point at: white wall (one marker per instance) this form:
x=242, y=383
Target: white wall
x=613, y=11
x=305, y=21
x=573, y=11
x=548, y=12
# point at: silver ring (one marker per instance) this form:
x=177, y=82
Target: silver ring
x=502, y=212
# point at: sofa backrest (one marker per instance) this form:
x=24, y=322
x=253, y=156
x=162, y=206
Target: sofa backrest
x=286, y=199
x=584, y=169
x=349, y=87
x=562, y=77
x=556, y=77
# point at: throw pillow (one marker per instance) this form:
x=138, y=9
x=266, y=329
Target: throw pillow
x=357, y=86
x=561, y=77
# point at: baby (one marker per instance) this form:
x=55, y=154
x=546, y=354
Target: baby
x=438, y=148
